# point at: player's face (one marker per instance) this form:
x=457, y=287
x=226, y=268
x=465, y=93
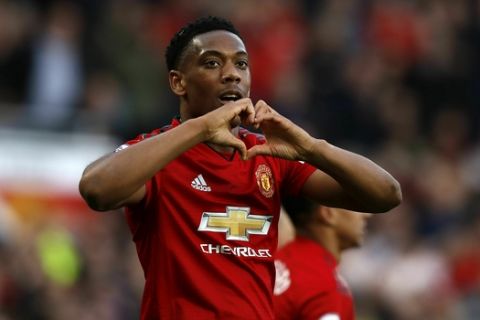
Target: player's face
x=351, y=227
x=215, y=71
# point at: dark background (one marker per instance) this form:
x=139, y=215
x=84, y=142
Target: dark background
x=396, y=80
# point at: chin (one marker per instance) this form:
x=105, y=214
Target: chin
x=354, y=243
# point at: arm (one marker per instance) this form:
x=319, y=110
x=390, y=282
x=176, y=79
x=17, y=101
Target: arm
x=344, y=179
x=119, y=179
x=349, y=180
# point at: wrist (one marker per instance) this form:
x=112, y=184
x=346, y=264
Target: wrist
x=200, y=126
x=313, y=149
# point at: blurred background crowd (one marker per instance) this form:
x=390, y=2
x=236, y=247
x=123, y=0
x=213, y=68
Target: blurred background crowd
x=395, y=80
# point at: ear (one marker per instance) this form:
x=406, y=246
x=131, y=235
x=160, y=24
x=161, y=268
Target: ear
x=177, y=82
x=326, y=215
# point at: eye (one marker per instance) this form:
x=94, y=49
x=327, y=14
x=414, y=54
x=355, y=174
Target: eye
x=211, y=64
x=242, y=64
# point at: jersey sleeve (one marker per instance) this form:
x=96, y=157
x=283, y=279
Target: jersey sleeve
x=138, y=138
x=307, y=297
x=295, y=175
x=132, y=210
x=322, y=306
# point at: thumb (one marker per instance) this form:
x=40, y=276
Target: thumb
x=262, y=149
x=238, y=145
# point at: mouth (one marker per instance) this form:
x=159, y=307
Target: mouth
x=229, y=96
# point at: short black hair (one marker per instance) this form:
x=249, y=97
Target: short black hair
x=299, y=209
x=183, y=37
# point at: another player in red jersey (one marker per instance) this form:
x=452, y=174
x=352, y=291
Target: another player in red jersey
x=307, y=284
x=202, y=196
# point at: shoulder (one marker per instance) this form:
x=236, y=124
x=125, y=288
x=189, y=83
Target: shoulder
x=153, y=133
x=309, y=261
x=300, y=280
x=143, y=136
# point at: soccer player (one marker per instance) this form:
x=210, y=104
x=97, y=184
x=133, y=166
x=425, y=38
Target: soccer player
x=307, y=284
x=202, y=195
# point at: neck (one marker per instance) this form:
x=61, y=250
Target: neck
x=220, y=149
x=325, y=237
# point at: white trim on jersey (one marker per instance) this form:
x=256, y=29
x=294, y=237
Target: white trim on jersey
x=330, y=316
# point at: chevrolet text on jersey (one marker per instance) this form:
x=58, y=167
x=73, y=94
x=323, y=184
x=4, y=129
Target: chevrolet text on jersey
x=236, y=251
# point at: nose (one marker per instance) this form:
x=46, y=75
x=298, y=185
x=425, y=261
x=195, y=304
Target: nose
x=230, y=73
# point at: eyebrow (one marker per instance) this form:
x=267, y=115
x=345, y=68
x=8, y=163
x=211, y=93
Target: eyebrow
x=221, y=54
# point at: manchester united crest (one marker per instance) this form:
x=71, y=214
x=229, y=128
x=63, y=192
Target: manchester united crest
x=265, y=180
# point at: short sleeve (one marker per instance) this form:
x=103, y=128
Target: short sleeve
x=324, y=305
x=295, y=175
x=135, y=212
x=138, y=138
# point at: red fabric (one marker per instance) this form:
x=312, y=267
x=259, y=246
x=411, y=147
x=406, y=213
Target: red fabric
x=308, y=286
x=186, y=275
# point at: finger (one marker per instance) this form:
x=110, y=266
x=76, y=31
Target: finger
x=242, y=149
x=270, y=117
x=238, y=145
x=238, y=105
x=261, y=149
x=248, y=113
x=244, y=108
x=235, y=121
x=262, y=108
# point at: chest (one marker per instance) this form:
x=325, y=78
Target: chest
x=207, y=178
x=221, y=200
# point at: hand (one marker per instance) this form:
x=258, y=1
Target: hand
x=219, y=123
x=284, y=138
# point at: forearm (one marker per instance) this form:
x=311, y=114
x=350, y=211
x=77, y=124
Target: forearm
x=366, y=186
x=107, y=183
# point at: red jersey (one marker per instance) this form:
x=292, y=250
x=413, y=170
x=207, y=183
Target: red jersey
x=206, y=232
x=307, y=284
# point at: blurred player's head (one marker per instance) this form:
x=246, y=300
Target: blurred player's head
x=349, y=226
x=342, y=228
x=208, y=66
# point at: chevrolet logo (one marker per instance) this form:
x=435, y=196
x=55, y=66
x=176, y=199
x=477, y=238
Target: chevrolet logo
x=237, y=223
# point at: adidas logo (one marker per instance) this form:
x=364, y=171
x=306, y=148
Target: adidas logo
x=200, y=184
